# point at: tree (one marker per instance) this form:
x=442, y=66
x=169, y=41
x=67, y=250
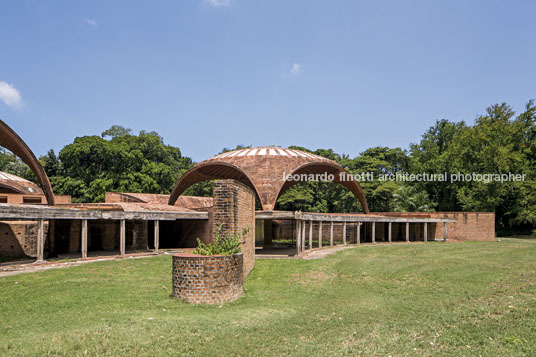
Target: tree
x=92, y=165
x=433, y=155
x=14, y=165
x=409, y=199
x=376, y=161
x=116, y=131
x=498, y=143
x=332, y=197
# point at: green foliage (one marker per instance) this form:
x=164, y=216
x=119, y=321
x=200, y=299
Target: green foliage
x=432, y=155
x=379, y=161
x=237, y=147
x=409, y=199
x=203, y=189
x=92, y=165
x=331, y=197
x=227, y=244
x=13, y=165
x=116, y=131
x=499, y=142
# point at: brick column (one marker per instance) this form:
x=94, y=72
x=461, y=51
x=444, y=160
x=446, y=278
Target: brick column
x=268, y=234
x=234, y=209
x=74, y=231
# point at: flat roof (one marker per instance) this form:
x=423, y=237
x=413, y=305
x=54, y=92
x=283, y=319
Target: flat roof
x=109, y=212
x=350, y=217
x=32, y=212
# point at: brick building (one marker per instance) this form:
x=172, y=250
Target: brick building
x=133, y=222
x=15, y=189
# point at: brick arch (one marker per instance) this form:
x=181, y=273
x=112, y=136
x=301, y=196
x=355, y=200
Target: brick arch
x=330, y=168
x=11, y=141
x=210, y=171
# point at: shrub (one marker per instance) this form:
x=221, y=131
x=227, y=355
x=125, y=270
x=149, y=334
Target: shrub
x=227, y=244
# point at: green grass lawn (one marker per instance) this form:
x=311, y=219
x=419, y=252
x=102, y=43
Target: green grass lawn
x=418, y=299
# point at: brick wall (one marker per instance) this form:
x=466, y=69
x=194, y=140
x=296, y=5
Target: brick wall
x=18, y=198
x=19, y=239
x=234, y=209
x=470, y=226
x=207, y=279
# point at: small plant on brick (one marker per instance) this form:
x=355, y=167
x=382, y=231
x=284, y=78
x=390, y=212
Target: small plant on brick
x=223, y=244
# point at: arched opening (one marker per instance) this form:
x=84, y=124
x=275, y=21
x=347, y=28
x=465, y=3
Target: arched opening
x=210, y=171
x=280, y=234
x=180, y=231
x=340, y=176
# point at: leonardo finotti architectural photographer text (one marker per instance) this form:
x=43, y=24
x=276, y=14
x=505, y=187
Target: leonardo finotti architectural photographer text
x=407, y=177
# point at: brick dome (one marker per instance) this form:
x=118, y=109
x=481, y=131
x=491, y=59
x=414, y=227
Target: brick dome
x=14, y=184
x=264, y=170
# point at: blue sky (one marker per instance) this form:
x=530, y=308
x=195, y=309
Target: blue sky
x=208, y=74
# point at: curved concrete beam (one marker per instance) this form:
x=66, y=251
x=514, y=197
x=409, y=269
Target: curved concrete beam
x=11, y=141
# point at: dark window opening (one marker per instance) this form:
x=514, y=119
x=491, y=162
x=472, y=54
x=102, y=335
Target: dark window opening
x=32, y=200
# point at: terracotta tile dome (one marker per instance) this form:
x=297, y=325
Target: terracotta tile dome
x=265, y=169
x=14, y=184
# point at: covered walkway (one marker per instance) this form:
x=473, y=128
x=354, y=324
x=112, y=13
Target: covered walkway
x=317, y=230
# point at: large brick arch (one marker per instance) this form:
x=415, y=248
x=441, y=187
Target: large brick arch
x=264, y=170
x=11, y=141
x=329, y=168
x=210, y=171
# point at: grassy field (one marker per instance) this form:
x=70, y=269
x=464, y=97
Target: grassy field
x=418, y=299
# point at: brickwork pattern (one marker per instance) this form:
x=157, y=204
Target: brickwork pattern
x=470, y=226
x=234, y=209
x=19, y=239
x=207, y=279
x=18, y=198
x=264, y=169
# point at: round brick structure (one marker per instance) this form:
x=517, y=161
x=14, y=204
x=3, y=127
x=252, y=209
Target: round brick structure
x=14, y=184
x=266, y=171
x=213, y=279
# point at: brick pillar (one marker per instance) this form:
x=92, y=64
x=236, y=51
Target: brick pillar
x=268, y=234
x=234, y=208
x=75, y=232
x=108, y=235
x=139, y=234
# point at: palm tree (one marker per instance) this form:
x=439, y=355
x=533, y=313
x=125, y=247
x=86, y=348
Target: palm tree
x=408, y=199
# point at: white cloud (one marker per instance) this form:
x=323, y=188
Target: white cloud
x=92, y=23
x=10, y=95
x=219, y=3
x=296, y=69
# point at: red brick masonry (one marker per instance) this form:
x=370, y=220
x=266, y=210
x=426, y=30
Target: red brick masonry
x=202, y=279
x=234, y=209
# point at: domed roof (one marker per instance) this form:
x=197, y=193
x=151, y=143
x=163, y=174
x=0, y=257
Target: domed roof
x=14, y=184
x=270, y=152
x=265, y=169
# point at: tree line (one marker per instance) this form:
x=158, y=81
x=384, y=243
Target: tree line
x=500, y=141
